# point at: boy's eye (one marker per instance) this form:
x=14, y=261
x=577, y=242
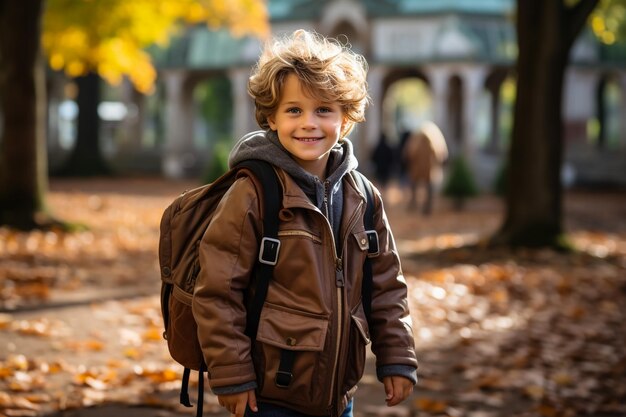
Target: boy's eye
x=324, y=110
x=293, y=110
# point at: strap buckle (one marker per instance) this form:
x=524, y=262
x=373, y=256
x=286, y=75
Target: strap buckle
x=372, y=241
x=283, y=379
x=268, y=252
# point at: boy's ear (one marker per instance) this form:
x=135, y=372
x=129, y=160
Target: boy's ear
x=272, y=122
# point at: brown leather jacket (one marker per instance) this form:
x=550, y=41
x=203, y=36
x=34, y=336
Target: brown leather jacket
x=313, y=305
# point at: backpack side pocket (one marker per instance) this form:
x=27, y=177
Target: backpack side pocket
x=179, y=327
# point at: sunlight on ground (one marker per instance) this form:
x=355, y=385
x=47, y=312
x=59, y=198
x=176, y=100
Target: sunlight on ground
x=462, y=302
x=437, y=242
x=599, y=244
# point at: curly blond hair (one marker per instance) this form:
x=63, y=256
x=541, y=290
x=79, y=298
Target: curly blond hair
x=327, y=69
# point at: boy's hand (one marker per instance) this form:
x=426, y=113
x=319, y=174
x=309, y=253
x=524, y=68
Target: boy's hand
x=397, y=389
x=236, y=403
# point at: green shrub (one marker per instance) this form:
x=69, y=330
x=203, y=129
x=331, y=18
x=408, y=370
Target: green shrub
x=500, y=181
x=460, y=184
x=218, y=164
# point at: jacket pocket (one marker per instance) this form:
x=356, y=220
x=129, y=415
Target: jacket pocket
x=359, y=339
x=301, y=335
x=292, y=233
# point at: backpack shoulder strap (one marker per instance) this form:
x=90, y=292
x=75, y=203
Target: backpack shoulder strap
x=270, y=245
x=268, y=254
x=368, y=221
x=272, y=195
x=366, y=188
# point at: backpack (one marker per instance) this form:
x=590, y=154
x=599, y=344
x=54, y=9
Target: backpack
x=182, y=226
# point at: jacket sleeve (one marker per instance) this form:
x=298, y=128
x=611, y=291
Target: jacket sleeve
x=390, y=324
x=227, y=255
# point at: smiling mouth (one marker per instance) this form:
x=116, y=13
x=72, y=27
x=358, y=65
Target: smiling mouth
x=308, y=139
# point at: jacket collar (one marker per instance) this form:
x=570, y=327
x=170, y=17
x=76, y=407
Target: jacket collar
x=293, y=196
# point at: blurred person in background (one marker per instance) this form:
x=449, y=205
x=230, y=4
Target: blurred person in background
x=424, y=155
x=383, y=158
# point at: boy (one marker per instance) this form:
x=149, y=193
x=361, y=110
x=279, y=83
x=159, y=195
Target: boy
x=310, y=348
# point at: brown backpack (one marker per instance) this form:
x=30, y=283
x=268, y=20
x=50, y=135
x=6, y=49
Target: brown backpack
x=182, y=226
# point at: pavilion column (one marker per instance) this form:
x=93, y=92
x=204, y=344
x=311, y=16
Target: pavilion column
x=494, y=130
x=134, y=120
x=473, y=82
x=55, y=95
x=438, y=78
x=179, y=154
x=622, y=111
x=576, y=112
x=495, y=86
x=373, y=115
x=243, y=112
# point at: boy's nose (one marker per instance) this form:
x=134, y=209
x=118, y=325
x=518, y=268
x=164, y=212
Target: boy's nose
x=309, y=121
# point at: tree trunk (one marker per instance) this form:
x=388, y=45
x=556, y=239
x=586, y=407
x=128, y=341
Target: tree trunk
x=86, y=157
x=23, y=161
x=546, y=31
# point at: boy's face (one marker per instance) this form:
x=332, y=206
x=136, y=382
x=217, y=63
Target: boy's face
x=307, y=127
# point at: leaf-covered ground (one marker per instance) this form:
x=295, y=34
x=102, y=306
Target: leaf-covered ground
x=499, y=332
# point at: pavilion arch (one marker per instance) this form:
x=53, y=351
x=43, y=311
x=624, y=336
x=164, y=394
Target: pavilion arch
x=181, y=120
x=390, y=124
x=453, y=90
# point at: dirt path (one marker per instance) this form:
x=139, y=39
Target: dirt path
x=499, y=333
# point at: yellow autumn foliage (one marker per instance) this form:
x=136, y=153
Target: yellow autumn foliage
x=608, y=21
x=110, y=36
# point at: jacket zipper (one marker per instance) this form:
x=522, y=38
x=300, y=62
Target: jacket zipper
x=326, y=184
x=339, y=291
x=339, y=281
